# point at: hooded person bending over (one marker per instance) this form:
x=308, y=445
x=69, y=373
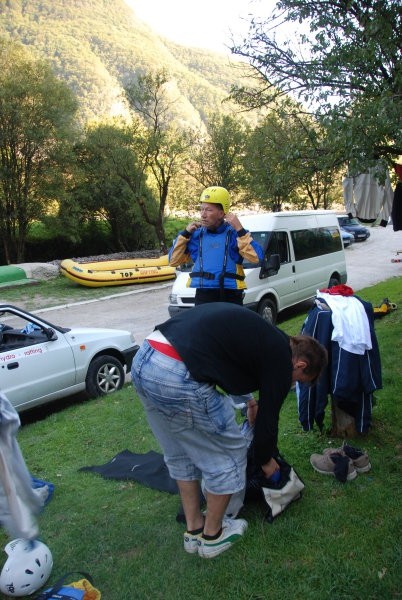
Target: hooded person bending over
x=217, y=244
x=177, y=373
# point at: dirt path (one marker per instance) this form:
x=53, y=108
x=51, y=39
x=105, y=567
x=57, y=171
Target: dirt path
x=140, y=309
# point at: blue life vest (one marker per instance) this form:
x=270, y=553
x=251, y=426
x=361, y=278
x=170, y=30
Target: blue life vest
x=218, y=263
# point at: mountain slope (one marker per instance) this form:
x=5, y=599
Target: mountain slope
x=98, y=45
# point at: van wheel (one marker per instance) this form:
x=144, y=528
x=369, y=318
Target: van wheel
x=333, y=282
x=267, y=310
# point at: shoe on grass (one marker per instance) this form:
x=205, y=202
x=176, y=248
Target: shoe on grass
x=191, y=542
x=232, y=531
x=359, y=457
x=334, y=463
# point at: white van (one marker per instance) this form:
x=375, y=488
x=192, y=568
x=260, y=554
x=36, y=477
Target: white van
x=303, y=252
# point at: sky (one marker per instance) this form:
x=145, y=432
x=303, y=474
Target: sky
x=207, y=24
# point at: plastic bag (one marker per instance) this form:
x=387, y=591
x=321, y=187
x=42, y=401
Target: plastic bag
x=77, y=590
x=277, y=495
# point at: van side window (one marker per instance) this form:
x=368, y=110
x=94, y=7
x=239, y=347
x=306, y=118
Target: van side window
x=308, y=243
x=279, y=244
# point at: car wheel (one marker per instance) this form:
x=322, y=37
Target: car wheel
x=105, y=375
x=267, y=310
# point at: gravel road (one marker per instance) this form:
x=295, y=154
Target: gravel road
x=139, y=309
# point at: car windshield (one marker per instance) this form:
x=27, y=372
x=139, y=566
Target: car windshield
x=349, y=221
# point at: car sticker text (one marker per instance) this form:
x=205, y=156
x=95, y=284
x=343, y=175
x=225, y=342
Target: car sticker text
x=20, y=354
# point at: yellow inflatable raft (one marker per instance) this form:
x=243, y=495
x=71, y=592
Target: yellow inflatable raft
x=118, y=272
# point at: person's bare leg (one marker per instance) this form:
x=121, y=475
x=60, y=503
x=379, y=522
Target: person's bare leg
x=190, y=499
x=216, y=506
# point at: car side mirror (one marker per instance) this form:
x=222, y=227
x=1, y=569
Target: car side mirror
x=270, y=266
x=50, y=334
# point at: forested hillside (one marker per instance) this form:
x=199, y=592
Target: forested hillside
x=99, y=45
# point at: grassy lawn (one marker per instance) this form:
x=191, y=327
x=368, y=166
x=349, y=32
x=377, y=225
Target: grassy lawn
x=339, y=542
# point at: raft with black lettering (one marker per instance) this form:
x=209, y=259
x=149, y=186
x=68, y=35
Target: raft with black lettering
x=118, y=272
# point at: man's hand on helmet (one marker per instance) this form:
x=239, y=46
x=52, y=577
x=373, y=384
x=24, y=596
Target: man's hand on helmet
x=234, y=221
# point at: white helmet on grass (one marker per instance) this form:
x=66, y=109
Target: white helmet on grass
x=27, y=567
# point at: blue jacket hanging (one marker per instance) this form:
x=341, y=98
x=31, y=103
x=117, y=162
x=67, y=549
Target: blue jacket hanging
x=350, y=379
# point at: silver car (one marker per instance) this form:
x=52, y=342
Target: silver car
x=41, y=362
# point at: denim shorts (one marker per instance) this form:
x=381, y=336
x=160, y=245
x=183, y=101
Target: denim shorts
x=194, y=424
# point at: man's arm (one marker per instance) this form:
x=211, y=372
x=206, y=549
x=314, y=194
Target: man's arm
x=179, y=253
x=271, y=466
x=274, y=386
x=247, y=247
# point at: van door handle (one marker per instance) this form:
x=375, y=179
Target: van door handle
x=13, y=365
x=293, y=269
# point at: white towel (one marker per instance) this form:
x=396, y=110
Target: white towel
x=351, y=327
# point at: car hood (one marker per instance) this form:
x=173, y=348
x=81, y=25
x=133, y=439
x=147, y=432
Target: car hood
x=355, y=228
x=97, y=332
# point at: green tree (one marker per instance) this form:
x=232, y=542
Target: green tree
x=347, y=69
x=217, y=160
x=164, y=145
x=36, y=112
x=290, y=161
x=106, y=158
x=319, y=174
x=271, y=174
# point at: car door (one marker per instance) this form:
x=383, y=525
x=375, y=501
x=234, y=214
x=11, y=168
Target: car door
x=284, y=281
x=34, y=369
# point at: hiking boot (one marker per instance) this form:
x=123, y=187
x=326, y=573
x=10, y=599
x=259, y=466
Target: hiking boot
x=334, y=463
x=191, y=542
x=359, y=458
x=232, y=531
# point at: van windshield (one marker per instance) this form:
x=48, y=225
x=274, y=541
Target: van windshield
x=348, y=221
x=262, y=238
x=272, y=243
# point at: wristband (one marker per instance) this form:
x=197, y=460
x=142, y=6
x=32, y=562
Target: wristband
x=241, y=232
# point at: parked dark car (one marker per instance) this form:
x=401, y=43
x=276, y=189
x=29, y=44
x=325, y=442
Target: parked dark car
x=352, y=225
